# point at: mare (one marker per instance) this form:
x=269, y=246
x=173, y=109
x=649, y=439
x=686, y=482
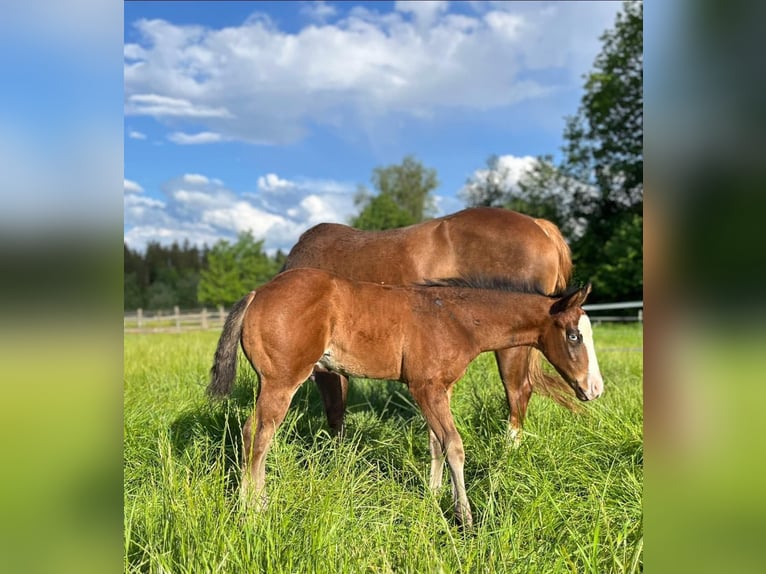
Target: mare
x=482, y=241
x=424, y=336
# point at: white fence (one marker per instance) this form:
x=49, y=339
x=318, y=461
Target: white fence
x=173, y=322
x=596, y=317
x=176, y=322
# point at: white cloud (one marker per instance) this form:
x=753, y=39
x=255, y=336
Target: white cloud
x=133, y=52
x=260, y=84
x=242, y=216
x=197, y=234
x=203, y=210
x=160, y=106
x=142, y=202
x=182, y=138
x=424, y=11
x=271, y=182
x=195, y=178
x=136, y=135
x=132, y=187
x=505, y=24
x=318, y=11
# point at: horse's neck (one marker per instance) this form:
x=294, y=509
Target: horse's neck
x=509, y=320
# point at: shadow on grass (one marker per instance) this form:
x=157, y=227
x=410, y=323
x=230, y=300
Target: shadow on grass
x=220, y=423
x=382, y=421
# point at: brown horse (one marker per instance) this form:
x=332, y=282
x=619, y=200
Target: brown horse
x=483, y=241
x=424, y=336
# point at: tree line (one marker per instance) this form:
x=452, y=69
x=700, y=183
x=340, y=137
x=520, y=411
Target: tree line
x=189, y=277
x=594, y=193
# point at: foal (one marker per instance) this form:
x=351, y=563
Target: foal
x=424, y=336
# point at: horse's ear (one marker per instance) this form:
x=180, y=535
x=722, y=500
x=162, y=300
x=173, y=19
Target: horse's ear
x=574, y=299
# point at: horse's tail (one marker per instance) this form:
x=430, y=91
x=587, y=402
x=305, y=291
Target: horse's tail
x=224, y=368
x=549, y=385
x=562, y=249
x=554, y=386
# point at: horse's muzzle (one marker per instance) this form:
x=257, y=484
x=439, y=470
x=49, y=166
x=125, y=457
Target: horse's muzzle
x=580, y=393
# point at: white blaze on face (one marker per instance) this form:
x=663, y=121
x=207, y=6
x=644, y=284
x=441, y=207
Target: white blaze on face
x=595, y=382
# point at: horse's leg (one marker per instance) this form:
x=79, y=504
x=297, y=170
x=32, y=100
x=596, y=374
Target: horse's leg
x=433, y=400
x=513, y=365
x=437, y=461
x=270, y=410
x=333, y=388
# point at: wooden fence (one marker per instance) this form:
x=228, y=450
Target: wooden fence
x=176, y=322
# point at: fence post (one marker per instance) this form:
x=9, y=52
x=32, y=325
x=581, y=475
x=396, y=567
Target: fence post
x=221, y=314
x=204, y=317
x=140, y=317
x=177, y=314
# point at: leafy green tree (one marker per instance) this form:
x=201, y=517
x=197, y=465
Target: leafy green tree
x=539, y=191
x=604, y=152
x=382, y=212
x=404, y=196
x=620, y=269
x=160, y=295
x=280, y=257
x=132, y=292
x=186, y=288
x=542, y=193
x=595, y=193
x=233, y=270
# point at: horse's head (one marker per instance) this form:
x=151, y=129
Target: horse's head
x=568, y=345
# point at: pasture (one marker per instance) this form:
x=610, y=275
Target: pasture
x=567, y=500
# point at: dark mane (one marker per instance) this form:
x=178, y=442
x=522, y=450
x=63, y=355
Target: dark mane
x=494, y=284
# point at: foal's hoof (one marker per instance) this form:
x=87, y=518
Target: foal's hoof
x=253, y=503
x=464, y=517
x=465, y=523
x=514, y=435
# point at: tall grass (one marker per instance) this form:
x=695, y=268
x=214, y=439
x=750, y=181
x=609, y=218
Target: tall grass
x=567, y=500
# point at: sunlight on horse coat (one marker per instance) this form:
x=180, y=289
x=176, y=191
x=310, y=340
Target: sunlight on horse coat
x=424, y=336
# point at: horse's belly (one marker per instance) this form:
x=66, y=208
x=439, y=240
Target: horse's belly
x=368, y=367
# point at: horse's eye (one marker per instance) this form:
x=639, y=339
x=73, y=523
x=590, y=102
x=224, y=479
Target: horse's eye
x=574, y=337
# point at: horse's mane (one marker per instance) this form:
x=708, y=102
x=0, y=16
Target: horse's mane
x=495, y=284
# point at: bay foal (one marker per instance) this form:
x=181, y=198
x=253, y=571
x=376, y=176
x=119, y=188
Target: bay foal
x=424, y=336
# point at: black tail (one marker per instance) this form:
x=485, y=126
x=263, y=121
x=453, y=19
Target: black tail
x=224, y=369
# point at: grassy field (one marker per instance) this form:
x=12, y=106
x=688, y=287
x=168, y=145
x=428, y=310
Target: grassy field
x=567, y=500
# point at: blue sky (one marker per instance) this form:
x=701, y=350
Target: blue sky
x=266, y=116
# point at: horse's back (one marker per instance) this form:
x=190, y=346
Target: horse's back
x=476, y=241
x=503, y=243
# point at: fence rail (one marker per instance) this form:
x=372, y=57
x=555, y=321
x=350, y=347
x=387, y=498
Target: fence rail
x=175, y=321
x=596, y=318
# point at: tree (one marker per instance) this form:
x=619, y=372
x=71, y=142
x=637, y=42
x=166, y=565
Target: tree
x=132, y=294
x=234, y=270
x=537, y=188
x=175, y=267
x=161, y=295
x=604, y=152
x=382, y=212
x=595, y=193
x=487, y=187
x=621, y=266
x=404, y=196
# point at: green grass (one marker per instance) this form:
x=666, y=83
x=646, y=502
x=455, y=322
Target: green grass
x=567, y=500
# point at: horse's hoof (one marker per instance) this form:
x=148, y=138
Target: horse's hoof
x=255, y=503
